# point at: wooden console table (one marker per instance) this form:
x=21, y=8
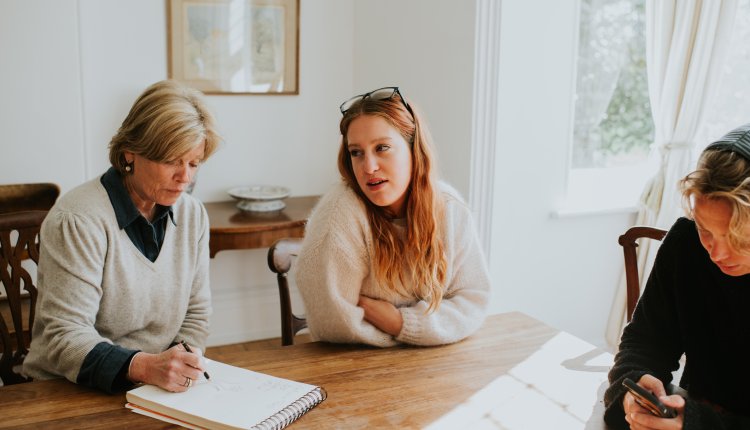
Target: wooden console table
x=232, y=228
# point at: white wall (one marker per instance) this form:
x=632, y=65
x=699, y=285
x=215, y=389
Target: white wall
x=70, y=69
x=40, y=93
x=561, y=270
x=427, y=48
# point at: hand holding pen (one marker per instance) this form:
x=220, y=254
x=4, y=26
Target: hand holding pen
x=187, y=348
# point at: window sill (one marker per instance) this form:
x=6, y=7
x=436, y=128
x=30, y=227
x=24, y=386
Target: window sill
x=604, y=191
x=581, y=211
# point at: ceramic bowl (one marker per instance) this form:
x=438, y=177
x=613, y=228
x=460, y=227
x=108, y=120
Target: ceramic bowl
x=259, y=192
x=261, y=206
x=260, y=198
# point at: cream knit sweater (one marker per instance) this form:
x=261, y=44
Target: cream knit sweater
x=96, y=286
x=334, y=268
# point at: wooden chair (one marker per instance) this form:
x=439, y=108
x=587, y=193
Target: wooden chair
x=280, y=257
x=628, y=243
x=27, y=197
x=19, y=241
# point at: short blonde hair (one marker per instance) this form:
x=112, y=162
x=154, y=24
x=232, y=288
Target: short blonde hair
x=165, y=122
x=722, y=175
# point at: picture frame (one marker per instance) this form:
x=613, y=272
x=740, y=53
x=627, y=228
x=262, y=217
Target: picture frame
x=234, y=46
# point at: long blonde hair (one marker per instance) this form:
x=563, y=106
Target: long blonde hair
x=421, y=252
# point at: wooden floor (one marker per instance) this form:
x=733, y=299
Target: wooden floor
x=217, y=351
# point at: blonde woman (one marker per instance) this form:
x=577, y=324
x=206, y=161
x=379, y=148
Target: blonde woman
x=123, y=267
x=695, y=303
x=390, y=255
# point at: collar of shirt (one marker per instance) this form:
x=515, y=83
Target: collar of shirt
x=125, y=209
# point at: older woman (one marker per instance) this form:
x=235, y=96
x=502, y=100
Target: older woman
x=695, y=302
x=391, y=255
x=123, y=268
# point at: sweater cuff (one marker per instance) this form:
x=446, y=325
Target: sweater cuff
x=614, y=414
x=103, y=368
x=410, y=330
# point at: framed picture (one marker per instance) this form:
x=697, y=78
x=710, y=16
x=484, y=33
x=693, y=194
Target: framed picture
x=235, y=46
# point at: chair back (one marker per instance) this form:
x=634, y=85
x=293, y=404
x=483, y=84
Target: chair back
x=629, y=244
x=19, y=242
x=27, y=197
x=280, y=257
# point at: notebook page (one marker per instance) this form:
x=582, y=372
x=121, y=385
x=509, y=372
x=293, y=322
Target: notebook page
x=233, y=396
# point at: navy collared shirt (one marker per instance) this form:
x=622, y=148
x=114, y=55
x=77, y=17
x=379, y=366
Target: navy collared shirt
x=148, y=237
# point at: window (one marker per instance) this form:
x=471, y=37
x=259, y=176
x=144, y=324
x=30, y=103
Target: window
x=612, y=127
x=613, y=124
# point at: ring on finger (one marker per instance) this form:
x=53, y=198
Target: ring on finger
x=188, y=382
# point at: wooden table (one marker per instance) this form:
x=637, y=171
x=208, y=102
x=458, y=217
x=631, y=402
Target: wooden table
x=513, y=370
x=232, y=228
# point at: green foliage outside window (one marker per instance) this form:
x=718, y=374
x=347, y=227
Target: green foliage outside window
x=613, y=123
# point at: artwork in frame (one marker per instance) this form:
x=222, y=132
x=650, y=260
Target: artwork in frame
x=235, y=46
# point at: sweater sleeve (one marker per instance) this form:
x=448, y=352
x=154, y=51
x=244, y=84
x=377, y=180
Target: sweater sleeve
x=648, y=343
x=467, y=291
x=330, y=270
x=194, y=328
x=70, y=275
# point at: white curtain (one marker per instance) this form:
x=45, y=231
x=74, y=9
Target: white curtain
x=686, y=42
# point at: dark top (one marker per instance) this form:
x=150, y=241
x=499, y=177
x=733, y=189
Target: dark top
x=689, y=306
x=106, y=365
x=146, y=236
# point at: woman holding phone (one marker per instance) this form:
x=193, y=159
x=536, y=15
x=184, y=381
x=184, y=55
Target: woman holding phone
x=695, y=303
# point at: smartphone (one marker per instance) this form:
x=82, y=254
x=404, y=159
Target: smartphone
x=648, y=400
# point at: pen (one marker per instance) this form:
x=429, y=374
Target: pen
x=187, y=348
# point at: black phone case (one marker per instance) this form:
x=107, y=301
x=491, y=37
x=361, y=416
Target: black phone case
x=648, y=400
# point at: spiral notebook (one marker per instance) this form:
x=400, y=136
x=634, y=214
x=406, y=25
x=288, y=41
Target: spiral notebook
x=234, y=398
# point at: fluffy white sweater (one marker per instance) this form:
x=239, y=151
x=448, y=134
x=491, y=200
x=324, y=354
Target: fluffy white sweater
x=335, y=267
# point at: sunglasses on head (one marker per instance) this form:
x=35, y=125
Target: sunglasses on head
x=385, y=93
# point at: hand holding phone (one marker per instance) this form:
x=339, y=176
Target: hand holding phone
x=648, y=400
